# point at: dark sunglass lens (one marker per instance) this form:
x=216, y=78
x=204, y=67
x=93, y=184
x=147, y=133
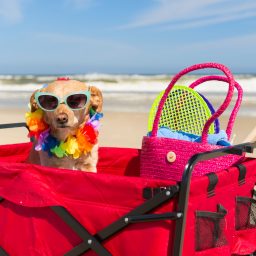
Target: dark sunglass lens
x=48, y=102
x=76, y=101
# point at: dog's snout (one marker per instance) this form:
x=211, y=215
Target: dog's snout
x=62, y=118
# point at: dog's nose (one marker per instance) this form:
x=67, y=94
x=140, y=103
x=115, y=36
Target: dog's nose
x=62, y=118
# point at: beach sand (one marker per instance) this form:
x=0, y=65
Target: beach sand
x=119, y=129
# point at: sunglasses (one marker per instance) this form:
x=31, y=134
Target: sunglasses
x=75, y=101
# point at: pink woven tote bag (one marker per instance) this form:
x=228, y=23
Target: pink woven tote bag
x=155, y=153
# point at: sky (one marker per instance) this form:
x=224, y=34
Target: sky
x=133, y=36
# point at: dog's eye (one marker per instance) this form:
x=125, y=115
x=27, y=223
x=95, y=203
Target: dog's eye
x=76, y=101
x=48, y=102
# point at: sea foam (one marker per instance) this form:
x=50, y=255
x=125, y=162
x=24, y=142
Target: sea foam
x=125, y=92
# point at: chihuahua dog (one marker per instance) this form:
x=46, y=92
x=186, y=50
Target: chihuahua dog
x=66, y=106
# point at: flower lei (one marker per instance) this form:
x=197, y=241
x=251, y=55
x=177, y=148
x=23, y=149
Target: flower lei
x=75, y=145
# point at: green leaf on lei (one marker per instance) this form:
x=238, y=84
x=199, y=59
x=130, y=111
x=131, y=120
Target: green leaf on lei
x=59, y=151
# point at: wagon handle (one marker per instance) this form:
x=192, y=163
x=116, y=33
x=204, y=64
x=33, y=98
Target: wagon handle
x=221, y=109
x=12, y=125
x=236, y=108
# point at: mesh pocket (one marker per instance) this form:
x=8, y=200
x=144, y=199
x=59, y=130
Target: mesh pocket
x=245, y=213
x=210, y=228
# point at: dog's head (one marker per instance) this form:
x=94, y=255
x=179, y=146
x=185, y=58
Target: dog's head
x=64, y=119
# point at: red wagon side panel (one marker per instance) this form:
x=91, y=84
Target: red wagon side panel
x=29, y=227
x=226, y=192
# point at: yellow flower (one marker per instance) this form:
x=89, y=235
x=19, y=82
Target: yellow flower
x=71, y=147
x=77, y=154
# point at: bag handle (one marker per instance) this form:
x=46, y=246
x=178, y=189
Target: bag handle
x=237, y=105
x=221, y=109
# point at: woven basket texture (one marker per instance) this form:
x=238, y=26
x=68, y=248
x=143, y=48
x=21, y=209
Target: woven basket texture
x=154, y=163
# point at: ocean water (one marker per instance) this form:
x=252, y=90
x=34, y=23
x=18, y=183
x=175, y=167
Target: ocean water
x=127, y=93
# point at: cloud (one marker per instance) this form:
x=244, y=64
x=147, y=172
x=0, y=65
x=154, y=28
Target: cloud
x=80, y=52
x=11, y=11
x=239, y=42
x=182, y=13
x=234, y=51
x=210, y=21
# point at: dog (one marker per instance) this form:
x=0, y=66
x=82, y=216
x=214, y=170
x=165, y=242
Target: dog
x=61, y=112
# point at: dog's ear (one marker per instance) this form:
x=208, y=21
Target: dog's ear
x=33, y=104
x=96, y=101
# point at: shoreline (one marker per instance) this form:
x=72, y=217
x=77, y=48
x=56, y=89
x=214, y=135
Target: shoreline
x=134, y=102
x=119, y=129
